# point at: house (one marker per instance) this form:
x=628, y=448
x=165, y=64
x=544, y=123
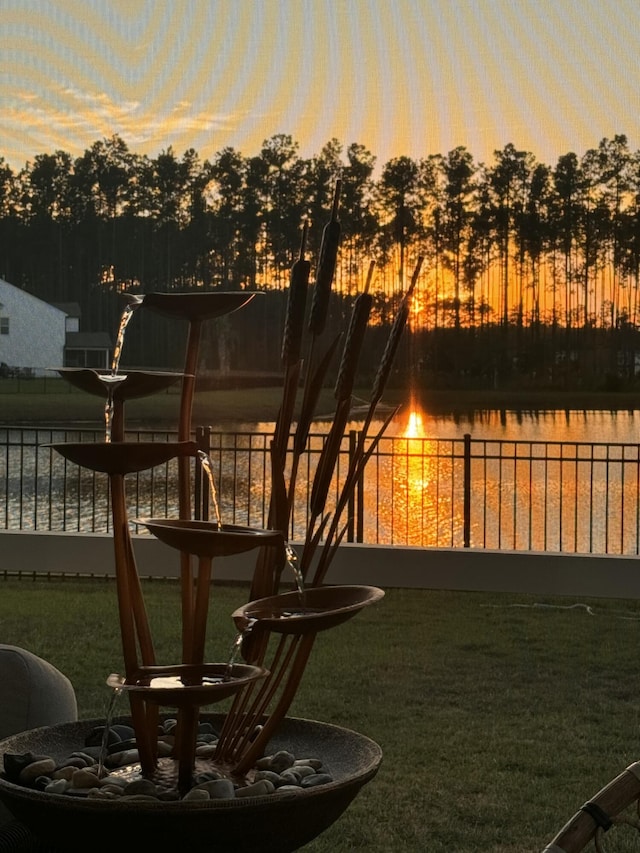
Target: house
x=83, y=349
x=36, y=336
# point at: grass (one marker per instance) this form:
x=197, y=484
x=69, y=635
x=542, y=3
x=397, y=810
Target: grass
x=497, y=717
x=59, y=403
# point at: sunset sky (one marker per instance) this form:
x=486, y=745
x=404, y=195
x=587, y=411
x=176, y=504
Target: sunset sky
x=414, y=77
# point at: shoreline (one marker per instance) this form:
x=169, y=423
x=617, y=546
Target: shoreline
x=260, y=405
x=452, y=402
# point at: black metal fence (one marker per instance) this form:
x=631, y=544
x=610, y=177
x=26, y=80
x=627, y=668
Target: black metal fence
x=464, y=492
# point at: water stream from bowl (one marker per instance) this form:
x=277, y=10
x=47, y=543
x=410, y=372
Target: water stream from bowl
x=115, y=695
x=237, y=646
x=113, y=379
x=292, y=562
x=207, y=466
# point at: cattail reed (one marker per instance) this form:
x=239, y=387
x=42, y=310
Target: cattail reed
x=296, y=304
x=353, y=341
x=394, y=338
x=325, y=269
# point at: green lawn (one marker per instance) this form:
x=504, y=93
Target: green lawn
x=498, y=717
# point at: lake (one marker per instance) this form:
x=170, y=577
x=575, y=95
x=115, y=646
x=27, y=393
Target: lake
x=550, y=480
x=621, y=426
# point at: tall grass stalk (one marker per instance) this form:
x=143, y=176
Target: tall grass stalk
x=498, y=715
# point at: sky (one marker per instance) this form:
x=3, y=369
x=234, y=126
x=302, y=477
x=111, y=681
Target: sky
x=401, y=77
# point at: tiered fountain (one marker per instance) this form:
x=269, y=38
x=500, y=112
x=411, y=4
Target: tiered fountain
x=276, y=630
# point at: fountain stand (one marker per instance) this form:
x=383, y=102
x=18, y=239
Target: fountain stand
x=277, y=629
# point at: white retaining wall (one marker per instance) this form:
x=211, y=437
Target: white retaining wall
x=377, y=565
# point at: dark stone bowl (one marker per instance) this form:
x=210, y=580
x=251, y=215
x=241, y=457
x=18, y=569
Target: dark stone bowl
x=277, y=823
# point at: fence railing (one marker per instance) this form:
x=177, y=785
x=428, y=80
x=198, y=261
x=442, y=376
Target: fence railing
x=463, y=492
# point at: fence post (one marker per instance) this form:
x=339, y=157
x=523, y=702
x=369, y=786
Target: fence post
x=466, y=533
x=360, y=504
x=351, y=506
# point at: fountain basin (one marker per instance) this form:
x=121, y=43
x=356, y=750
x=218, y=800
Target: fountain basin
x=135, y=383
x=206, y=539
x=188, y=685
x=275, y=823
x=197, y=306
x=123, y=457
x=315, y=609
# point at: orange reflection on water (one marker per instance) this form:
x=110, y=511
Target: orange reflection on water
x=410, y=471
x=415, y=425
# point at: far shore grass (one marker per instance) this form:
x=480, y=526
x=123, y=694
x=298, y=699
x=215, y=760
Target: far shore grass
x=59, y=404
x=498, y=715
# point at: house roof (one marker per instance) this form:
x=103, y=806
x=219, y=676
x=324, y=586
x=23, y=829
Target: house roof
x=8, y=288
x=88, y=340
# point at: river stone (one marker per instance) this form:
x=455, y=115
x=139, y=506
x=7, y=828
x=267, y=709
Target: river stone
x=207, y=776
x=302, y=770
x=164, y=749
x=318, y=779
x=314, y=763
x=120, y=781
x=256, y=789
x=93, y=752
x=88, y=759
x=80, y=793
x=218, y=789
x=41, y=782
x=57, y=786
x=110, y=788
x=74, y=763
x=274, y=778
x=122, y=745
x=140, y=786
x=85, y=778
x=64, y=772
x=102, y=794
x=43, y=767
x=125, y=732
x=14, y=763
x=197, y=794
x=121, y=759
x=281, y=761
x=290, y=777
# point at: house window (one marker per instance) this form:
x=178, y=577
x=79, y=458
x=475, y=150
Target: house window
x=4, y=325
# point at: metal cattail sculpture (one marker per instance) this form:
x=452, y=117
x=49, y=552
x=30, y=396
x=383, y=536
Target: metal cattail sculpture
x=335, y=529
x=344, y=387
x=292, y=343
x=323, y=526
x=326, y=268
x=393, y=341
x=296, y=305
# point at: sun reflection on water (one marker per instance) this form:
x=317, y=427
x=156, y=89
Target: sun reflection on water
x=415, y=425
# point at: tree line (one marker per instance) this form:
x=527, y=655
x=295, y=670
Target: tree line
x=528, y=268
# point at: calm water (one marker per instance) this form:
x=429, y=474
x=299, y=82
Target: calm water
x=602, y=426
x=575, y=488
